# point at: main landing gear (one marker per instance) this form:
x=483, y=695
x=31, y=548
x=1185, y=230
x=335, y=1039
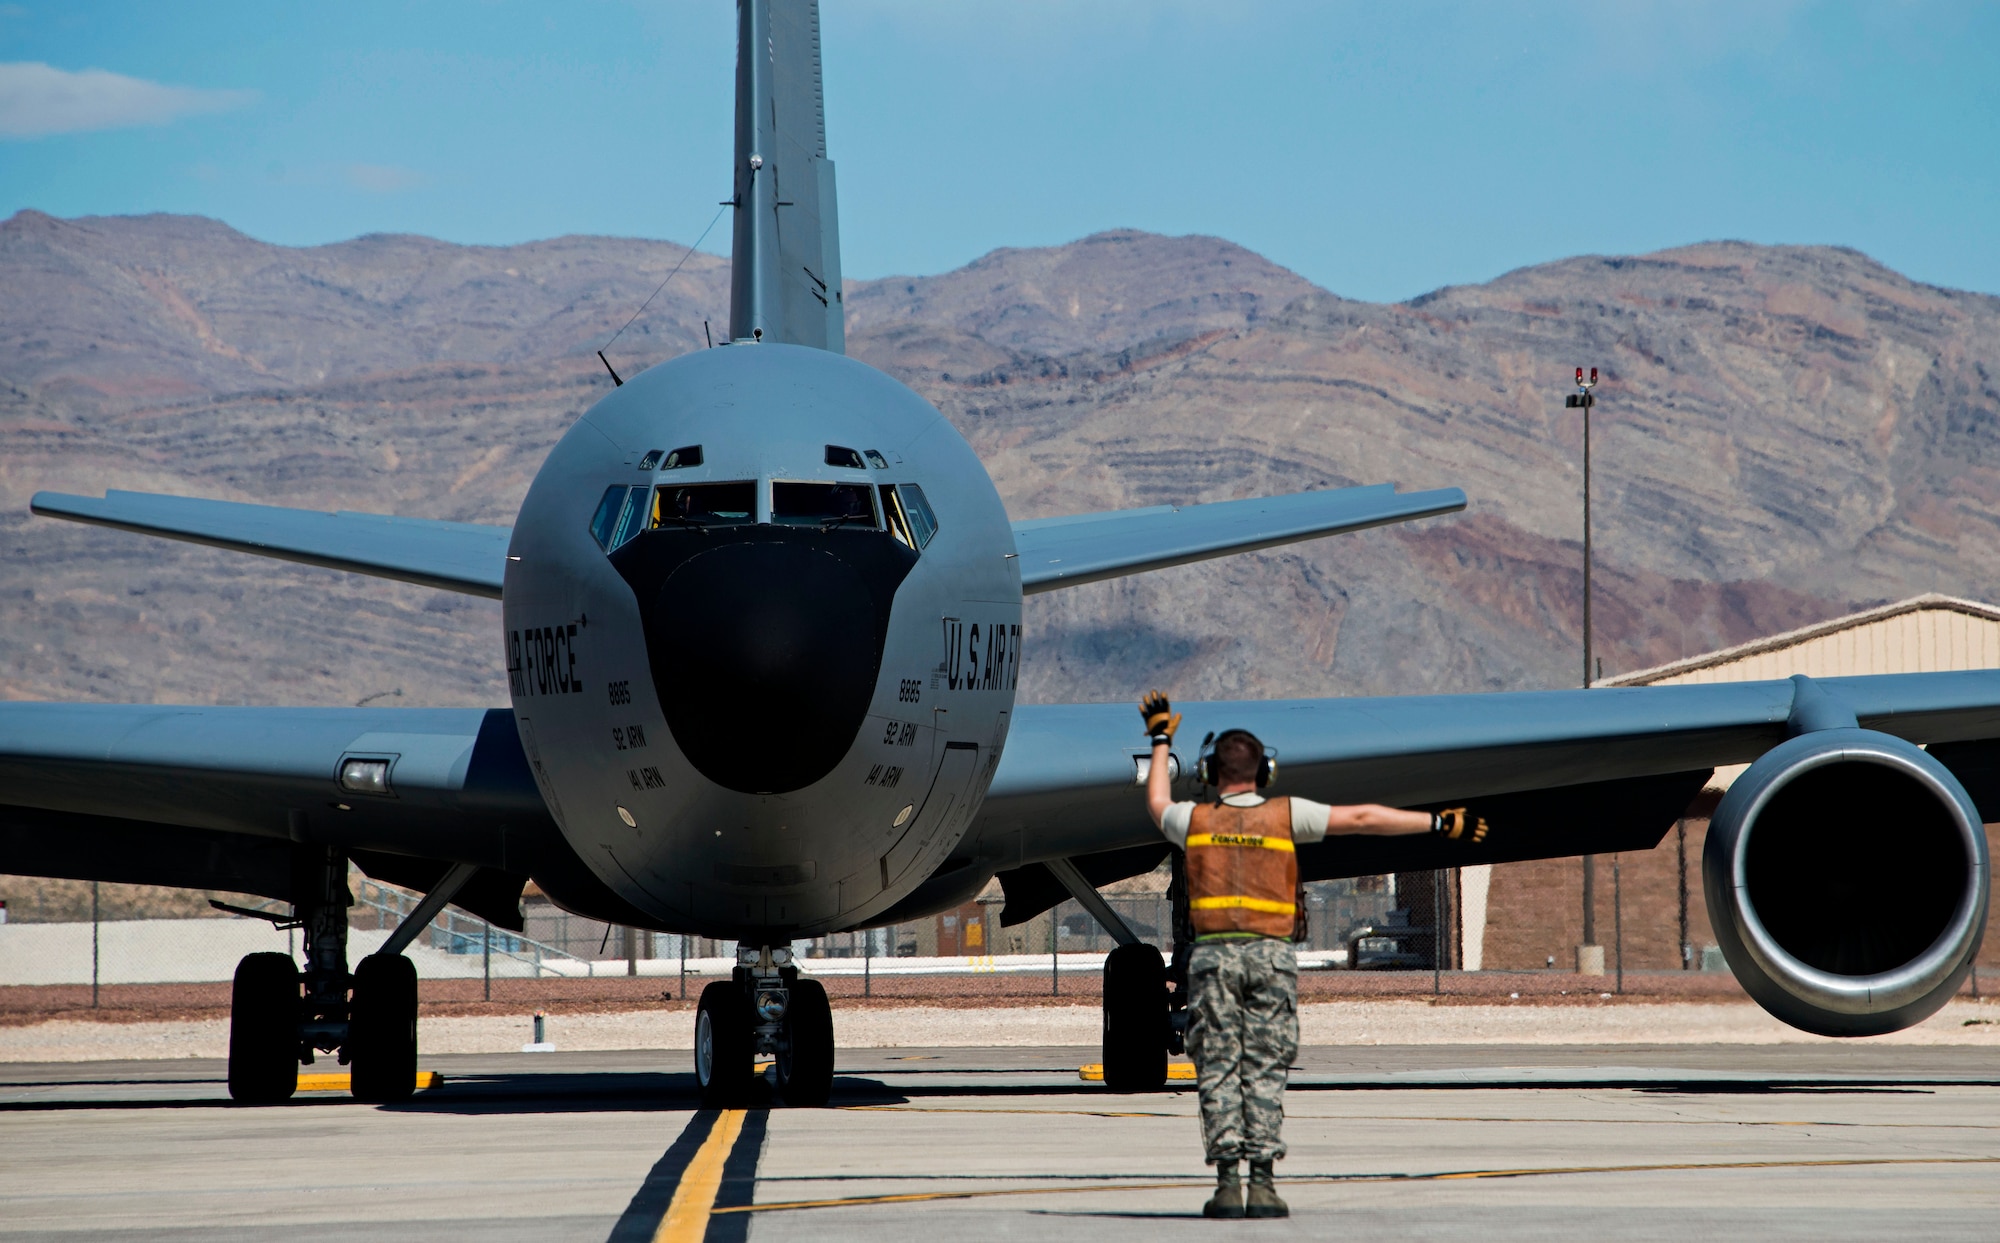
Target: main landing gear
x=1145, y=1000
x=1136, y=1032
x=764, y=1010
x=280, y=1017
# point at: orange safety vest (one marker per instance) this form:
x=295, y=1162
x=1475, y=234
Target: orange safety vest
x=1242, y=869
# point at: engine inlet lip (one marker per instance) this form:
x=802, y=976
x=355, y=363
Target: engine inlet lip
x=1852, y=994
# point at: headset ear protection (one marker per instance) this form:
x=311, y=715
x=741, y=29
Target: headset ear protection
x=1205, y=772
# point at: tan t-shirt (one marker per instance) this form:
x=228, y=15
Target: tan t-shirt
x=1308, y=818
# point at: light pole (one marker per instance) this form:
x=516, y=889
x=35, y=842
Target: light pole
x=1584, y=399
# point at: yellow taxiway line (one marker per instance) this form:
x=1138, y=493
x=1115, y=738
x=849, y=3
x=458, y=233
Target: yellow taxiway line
x=694, y=1199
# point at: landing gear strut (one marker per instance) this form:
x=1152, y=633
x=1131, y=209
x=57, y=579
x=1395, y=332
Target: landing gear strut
x=764, y=1009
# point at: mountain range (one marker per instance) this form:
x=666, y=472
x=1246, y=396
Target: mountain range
x=1782, y=434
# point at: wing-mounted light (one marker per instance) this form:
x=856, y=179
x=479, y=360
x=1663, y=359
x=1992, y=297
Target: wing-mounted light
x=367, y=774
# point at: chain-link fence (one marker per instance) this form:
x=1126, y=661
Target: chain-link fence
x=200, y=945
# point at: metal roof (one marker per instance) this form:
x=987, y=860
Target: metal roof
x=1930, y=601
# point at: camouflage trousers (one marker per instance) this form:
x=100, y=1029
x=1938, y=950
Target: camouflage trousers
x=1243, y=1031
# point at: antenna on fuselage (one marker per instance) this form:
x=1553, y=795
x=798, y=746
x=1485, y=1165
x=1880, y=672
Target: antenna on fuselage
x=616, y=382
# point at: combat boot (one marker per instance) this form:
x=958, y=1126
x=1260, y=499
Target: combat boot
x=1263, y=1199
x=1228, y=1198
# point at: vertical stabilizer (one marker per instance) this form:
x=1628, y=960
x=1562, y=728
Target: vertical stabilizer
x=785, y=277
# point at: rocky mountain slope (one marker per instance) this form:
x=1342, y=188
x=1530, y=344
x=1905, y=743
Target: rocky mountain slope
x=1783, y=434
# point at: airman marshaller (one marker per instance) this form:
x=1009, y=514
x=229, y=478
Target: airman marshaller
x=1243, y=885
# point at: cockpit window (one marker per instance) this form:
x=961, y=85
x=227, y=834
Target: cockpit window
x=651, y=460
x=619, y=515
x=823, y=505
x=838, y=455
x=686, y=455
x=705, y=505
x=876, y=459
x=923, y=523
x=892, y=512
x=604, y=524
x=632, y=519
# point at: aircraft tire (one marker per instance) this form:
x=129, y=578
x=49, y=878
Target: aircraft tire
x=1135, y=1019
x=725, y=1043
x=805, y=1070
x=264, y=1030
x=382, y=1030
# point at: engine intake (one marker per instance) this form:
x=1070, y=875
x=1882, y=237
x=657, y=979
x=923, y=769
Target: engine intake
x=1846, y=876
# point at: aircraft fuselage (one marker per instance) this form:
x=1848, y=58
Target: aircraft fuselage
x=763, y=694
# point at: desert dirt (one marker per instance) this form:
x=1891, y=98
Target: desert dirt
x=191, y=1021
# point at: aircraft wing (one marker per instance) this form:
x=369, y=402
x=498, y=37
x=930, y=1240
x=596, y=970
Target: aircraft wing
x=455, y=556
x=1088, y=548
x=1555, y=773
x=222, y=798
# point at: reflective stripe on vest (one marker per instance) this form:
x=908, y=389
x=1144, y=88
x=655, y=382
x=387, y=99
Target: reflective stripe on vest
x=1238, y=901
x=1242, y=869
x=1241, y=839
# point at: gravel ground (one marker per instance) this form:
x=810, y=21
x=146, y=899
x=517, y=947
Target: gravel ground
x=1590, y=1021
x=126, y=1003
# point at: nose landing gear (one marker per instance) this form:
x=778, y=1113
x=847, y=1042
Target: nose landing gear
x=764, y=1010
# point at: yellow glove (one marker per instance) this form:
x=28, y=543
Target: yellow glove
x=1161, y=719
x=1458, y=825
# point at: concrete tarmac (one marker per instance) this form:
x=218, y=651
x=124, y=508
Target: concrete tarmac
x=1488, y=1142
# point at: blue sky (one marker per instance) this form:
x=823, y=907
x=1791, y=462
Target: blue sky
x=1380, y=150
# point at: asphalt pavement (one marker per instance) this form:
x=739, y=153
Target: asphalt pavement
x=1489, y=1142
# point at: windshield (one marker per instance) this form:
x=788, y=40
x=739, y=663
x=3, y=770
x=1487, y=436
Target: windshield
x=823, y=504
x=619, y=515
x=605, y=522
x=705, y=505
x=923, y=523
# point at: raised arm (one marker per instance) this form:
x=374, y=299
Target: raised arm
x=1161, y=722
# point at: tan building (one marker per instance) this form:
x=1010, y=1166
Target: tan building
x=1534, y=911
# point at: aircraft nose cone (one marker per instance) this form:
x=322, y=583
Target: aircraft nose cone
x=765, y=655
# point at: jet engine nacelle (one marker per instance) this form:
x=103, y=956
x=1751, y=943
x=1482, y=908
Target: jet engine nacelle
x=1846, y=876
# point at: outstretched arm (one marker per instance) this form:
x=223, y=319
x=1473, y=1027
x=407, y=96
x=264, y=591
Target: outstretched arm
x=1375, y=820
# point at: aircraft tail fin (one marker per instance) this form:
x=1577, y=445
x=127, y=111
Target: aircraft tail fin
x=785, y=278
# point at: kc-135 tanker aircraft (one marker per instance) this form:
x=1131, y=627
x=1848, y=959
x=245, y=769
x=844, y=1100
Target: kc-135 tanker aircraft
x=762, y=635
